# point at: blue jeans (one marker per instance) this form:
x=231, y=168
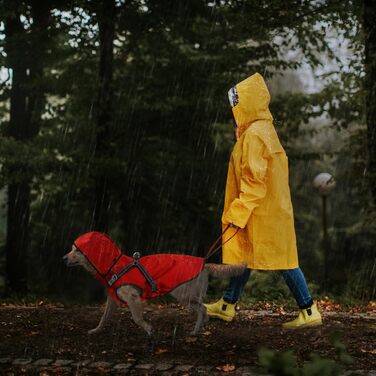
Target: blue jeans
x=293, y=277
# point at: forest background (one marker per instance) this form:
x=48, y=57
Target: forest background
x=114, y=117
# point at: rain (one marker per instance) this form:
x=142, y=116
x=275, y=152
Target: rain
x=115, y=119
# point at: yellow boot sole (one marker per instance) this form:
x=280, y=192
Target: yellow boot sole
x=221, y=317
x=311, y=323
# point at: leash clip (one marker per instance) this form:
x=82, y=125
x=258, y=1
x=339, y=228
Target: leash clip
x=136, y=256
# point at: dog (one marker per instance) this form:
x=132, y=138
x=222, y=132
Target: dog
x=131, y=280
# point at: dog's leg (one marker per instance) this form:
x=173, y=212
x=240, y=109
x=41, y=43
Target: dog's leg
x=108, y=312
x=191, y=294
x=132, y=297
x=202, y=317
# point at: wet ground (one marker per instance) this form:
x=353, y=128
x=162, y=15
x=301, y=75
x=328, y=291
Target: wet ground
x=60, y=332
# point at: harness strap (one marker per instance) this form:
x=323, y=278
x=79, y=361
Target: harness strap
x=152, y=283
x=135, y=264
x=118, y=275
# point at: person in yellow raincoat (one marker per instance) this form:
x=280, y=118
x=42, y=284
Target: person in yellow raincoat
x=258, y=209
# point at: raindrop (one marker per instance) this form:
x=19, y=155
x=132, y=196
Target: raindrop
x=174, y=335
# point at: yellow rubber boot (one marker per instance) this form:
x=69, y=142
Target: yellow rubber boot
x=221, y=310
x=307, y=317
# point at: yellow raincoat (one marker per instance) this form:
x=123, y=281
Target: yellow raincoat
x=257, y=195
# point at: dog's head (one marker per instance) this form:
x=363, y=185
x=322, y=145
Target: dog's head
x=95, y=251
x=76, y=258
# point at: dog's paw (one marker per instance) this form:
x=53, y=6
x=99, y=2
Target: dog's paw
x=93, y=331
x=194, y=333
x=149, y=330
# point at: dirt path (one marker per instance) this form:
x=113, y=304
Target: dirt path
x=55, y=332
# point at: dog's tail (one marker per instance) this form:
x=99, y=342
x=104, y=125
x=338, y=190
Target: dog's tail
x=225, y=271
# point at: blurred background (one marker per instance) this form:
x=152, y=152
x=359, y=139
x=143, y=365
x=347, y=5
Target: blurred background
x=114, y=117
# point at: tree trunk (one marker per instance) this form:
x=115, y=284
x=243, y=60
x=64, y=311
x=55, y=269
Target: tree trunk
x=369, y=17
x=17, y=237
x=106, y=23
x=26, y=106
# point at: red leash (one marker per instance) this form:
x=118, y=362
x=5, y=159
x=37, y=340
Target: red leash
x=215, y=246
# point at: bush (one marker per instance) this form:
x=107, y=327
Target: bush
x=284, y=364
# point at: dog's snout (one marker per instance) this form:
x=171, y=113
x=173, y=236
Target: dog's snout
x=65, y=259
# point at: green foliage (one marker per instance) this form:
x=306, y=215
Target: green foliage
x=284, y=364
x=171, y=133
x=266, y=285
x=278, y=363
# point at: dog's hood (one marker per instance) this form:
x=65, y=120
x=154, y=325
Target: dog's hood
x=100, y=251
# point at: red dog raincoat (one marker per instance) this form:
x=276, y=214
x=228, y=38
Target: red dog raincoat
x=153, y=275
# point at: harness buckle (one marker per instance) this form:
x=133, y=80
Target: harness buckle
x=113, y=279
x=153, y=286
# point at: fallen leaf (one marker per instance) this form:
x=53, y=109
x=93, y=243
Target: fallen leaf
x=226, y=368
x=161, y=351
x=191, y=339
x=229, y=353
x=207, y=333
x=373, y=351
x=328, y=305
x=281, y=311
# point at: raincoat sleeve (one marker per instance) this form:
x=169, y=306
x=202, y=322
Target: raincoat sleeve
x=252, y=188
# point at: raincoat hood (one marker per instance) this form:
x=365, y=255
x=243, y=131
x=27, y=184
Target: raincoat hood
x=99, y=250
x=250, y=101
